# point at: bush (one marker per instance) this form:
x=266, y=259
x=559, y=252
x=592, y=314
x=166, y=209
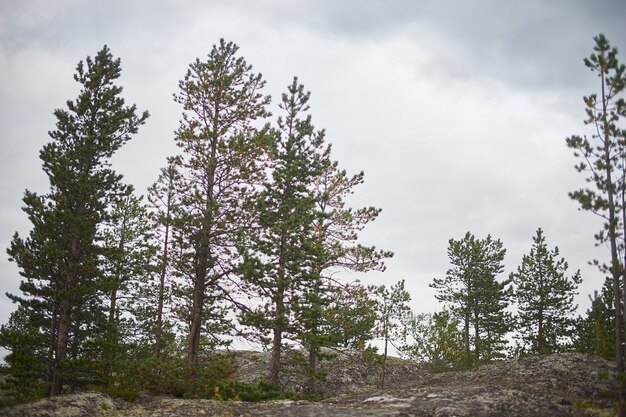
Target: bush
x=173, y=376
x=125, y=393
x=257, y=392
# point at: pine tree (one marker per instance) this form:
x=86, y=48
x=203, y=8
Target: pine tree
x=336, y=229
x=130, y=249
x=434, y=340
x=392, y=309
x=545, y=298
x=220, y=165
x=472, y=293
x=26, y=337
x=320, y=236
x=602, y=156
x=164, y=201
x=594, y=332
x=279, y=267
x=61, y=257
x=350, y=318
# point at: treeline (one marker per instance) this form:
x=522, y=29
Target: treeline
x=487, y=317
x=241, y=237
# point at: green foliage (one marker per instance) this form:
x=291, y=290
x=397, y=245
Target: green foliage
x=110, y=286
x=545, y=299
x=156, y=289
x=392, y=307
x=601, y=153
x=434, y=340
x=28, y=358
x=351, y=317
x=212, y=379
x=602, y=160
x=257, y=392
x=473, y=295
x=171, y=376
x=279, y=256
x=595, y=332
x=222, y=162
x=62, y=258
x=123, y=393
x=130, y=250
x=305, y=234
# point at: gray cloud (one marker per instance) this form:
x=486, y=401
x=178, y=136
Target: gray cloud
x=535, y=44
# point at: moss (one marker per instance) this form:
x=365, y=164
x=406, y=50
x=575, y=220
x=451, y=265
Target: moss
x=598, y=409
x=232, y=390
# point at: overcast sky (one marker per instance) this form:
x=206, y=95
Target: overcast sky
x=457, y=111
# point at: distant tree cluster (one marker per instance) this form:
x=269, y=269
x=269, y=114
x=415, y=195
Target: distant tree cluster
x=478, y=319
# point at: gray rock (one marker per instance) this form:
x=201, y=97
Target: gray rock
x=84, y=404
x=346, y=373
x=562, y=385
x=568, y=384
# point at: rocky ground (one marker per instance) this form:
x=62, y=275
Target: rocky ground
x=557, y=385
x=345, y=373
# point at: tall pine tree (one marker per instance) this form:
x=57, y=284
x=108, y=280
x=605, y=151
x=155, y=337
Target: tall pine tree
x=279, y=266
x=220, y=166
x=335, y=234
x=61, y=257
x=602, y=159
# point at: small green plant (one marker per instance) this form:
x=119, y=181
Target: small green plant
x=124, y=393
x=256, y=392
x=370, y=355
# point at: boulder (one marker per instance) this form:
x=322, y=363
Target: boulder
x=344, y=373
x=85, y=404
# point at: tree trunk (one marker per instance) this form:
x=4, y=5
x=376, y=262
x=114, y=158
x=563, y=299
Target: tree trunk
x=111, y=341
x=540, y=331
x=113, y=331
x=314, y=343
x=539, y=345
x=279, y=328
x=193, y=345
x=61, y=346
x=466, y=338
x=54, y=331
x=476, y=337
x=277, y=342
x=279, y=317
x=384, y=371
x=615, y=262
x=310, y=385
x=159, y=321
x=203, y=252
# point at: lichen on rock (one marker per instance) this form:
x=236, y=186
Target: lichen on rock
x=560, y=385
x=86, y=404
